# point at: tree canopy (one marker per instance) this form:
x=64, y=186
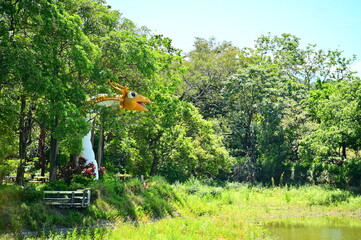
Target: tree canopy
x=220, y=111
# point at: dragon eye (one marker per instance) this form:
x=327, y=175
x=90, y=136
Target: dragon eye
x=131, y=94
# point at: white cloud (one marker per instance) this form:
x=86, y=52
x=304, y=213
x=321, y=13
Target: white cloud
x=356, y=67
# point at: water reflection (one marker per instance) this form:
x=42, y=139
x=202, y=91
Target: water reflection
x=316, y=228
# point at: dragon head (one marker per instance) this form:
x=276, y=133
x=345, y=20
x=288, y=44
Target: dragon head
x=133, y=100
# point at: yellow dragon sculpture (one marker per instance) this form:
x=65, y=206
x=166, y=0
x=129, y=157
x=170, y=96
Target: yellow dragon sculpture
x=127, y=99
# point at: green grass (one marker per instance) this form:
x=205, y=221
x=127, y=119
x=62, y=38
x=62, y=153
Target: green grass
x=238, y=211
x=193, y=210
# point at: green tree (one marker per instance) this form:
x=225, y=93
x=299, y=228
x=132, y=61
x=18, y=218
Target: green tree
x=304, y=66
x=53, y=58
x=254, y=114
x=208, y=67
x=148, y=64
x=66, y=57
x=172, y=140
x=335, y=110
x=265, y=102
x=18, y=72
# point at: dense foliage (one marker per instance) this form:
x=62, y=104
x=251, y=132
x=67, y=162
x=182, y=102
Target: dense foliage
x=275, y=112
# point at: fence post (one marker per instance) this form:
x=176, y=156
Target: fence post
x=88, y=200
x=72, y=199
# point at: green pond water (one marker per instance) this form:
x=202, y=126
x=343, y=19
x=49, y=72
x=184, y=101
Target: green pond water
x=316, y=228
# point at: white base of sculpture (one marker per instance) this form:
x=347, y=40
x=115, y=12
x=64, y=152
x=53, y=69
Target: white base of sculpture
x=88, y=153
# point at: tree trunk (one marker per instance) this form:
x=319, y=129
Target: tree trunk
x=344, y=155
x=74, y=159
x=154, y=168
x=22, y=142
x=250, y=146
x=25, y=127
x=54, y=150
x=100, y=145
x=155, y=163
x=41, y=150
x=92, y=132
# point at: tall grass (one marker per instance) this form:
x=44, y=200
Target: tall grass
x=237, y=211
x=197, y=210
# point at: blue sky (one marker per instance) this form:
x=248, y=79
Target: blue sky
x=330, y=24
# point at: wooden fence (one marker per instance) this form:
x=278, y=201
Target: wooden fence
x=77, y=199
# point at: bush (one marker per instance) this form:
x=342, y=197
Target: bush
x=245, y=170
x=334, y=171
x=31, y=195
x=10, y=213
x=134, y=186
x=6, y=167
x=132, y=200
x=73, y=218
x=56, y=185
x=158, y=198
x=330, y=197
x=82, y=180
x=70, y=171
x=353, y=172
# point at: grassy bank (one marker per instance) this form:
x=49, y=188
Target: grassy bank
x=23, y=208
x=192, y=210
x=236, y=211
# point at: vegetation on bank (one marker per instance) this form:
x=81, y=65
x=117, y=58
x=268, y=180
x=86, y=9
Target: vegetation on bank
x=188, y=210
x=112, y=199
x=253, y=119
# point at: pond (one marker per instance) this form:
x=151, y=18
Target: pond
x=316, y=228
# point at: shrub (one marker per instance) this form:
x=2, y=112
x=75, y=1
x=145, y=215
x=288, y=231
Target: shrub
x=56, y=185
x=245, y=170
x=69, y=171
x=30, y=194
x=134, y=186
x=6, y=167
x=10, y=213
x=330, y=197
x=353, y=172
x=81, y=179
x=73, y=218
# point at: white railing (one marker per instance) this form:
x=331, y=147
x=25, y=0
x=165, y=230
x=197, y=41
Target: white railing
x=78, y=198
